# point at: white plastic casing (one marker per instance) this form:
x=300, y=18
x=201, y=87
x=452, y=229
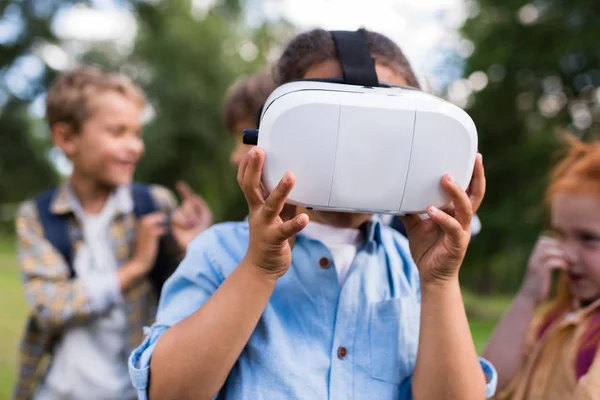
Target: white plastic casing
x=352, y=148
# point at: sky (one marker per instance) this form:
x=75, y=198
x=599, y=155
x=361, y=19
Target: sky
x=424, y=29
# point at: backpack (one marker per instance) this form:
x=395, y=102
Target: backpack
x=56, y=231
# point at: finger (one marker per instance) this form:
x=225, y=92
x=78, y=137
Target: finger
x=155, y=218
x=291, y=227
x=251, y=178
x=463, y=211
x=555, y=263
x=184, y=190
x=187, y=209
x=553, y=252
x=544, y=247
x=276, y=200
x=477, y=186
x=181, y=220
x=546, y=240
x=549, y=234
x=448, y=224
x=155, y=229
x=242, y=168
x=159, y=230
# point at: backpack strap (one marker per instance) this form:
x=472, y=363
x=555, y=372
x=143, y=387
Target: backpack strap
x=143, y=203
x=55, y=227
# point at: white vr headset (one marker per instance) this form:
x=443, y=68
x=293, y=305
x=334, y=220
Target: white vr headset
x=356, y=145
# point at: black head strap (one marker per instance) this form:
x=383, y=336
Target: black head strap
x=353, y=52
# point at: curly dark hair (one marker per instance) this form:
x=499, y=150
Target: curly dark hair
x=316, y=46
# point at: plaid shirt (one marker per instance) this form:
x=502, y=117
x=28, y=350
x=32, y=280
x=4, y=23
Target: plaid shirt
x=57, y=301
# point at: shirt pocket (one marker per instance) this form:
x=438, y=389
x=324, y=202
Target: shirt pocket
x=394, y=338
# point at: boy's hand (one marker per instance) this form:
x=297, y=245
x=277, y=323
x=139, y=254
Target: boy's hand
x=150, y=228
x=546, y=257
x=438, y=244
x=191, y=218
x=269, y=249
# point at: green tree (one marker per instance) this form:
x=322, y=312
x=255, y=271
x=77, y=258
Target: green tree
x=542, y=64
x=186, y=62
x=24, y=167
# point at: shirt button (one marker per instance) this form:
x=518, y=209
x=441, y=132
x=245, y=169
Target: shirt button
x=324, y=262
x=342, y=352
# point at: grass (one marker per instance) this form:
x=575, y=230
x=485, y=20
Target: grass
x=483, y=312
x=12, y=316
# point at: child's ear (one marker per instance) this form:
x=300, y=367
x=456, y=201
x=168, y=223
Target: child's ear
x=64, y=137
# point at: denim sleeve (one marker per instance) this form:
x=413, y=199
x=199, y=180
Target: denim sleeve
x=194, y=281
x=488, y=370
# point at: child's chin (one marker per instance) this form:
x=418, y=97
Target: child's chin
x=119, y=180
x=585, y=293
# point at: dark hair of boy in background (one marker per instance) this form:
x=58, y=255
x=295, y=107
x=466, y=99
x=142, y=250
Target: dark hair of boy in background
x=242, y=106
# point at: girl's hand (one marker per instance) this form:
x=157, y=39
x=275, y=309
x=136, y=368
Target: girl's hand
x=545, y=257
x=438, y=244
x=269, y=249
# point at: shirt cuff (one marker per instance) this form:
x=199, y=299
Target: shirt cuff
x=491, y=377
x=139, y=360
x=103, y=292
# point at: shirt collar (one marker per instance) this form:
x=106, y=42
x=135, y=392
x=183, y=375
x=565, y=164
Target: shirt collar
x=370, y=230
x=65, y=200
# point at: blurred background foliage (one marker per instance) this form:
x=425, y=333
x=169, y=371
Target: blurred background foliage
x=539, y=64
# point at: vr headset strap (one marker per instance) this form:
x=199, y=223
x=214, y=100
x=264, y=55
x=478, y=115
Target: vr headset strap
x=353, y=52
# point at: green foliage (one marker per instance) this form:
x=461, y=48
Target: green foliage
x=188, y=65
x=13, y=311
x=23, y=166
x=24, y=169
x=543, y=75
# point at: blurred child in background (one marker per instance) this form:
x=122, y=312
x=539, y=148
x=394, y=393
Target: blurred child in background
x=551, y=353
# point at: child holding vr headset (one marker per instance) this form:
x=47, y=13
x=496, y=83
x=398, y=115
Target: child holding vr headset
x=307, y=304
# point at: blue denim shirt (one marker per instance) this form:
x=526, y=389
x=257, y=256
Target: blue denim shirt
x=315, y=339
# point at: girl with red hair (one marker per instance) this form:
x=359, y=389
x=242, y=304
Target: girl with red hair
x=550, y=352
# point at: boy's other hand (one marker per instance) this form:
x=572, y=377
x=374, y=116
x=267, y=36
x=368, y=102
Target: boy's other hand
x=191, y=218
x=269, y=249
x=439, y=243
x=150, y=228
x=546, y=257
